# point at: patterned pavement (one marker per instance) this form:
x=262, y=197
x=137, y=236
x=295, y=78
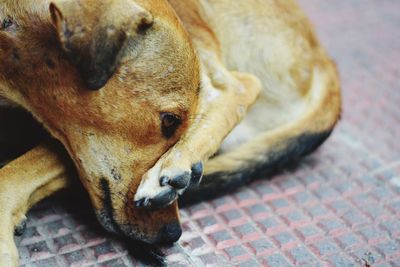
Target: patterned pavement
x=338, y=207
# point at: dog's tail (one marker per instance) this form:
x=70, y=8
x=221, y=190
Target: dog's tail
x=276, y=148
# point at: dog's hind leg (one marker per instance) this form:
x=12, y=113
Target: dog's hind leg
x=273, y=149
x=24, y=182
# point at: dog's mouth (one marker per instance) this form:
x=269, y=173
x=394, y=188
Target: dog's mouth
x=139, y=249
x=168, y=234
x=106, y=216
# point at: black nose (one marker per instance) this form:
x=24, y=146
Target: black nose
x=170, y=233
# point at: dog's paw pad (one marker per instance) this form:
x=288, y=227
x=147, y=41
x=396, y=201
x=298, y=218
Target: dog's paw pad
x=182, y=181
x=161, y=200
x=178, y=182
x=170, y=185
x=197, y=173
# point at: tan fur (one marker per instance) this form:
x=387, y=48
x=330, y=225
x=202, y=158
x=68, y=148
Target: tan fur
x=203, y=60
x=25, y=187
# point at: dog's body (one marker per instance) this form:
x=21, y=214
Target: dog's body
x=235, y=49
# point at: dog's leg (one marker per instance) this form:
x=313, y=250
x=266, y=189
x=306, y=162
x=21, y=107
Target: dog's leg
x=224, y=99
x=24, y=182
x=274, y=149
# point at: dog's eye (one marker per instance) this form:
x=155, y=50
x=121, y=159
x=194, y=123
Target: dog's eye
x=7, y=23
x=169, y=124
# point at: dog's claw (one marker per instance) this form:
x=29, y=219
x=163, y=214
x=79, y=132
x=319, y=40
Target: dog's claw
x=140, y=203
x=160, y=201
x=164, y=181
x=163, y=199
x=20, y=228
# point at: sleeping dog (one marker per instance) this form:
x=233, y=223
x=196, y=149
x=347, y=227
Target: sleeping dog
x=146, y=96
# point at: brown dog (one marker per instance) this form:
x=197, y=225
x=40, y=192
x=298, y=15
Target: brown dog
x=140, y=93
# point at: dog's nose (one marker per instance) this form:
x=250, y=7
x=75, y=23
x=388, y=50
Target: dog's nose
x=170, y=233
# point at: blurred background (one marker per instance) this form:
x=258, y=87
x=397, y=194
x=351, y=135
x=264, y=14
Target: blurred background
x=338, y=207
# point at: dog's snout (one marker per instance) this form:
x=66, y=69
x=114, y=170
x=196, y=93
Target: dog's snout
x=170, y=233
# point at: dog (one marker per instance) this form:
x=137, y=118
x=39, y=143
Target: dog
x=155, y=100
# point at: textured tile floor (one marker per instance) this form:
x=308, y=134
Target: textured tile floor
x=339, y=207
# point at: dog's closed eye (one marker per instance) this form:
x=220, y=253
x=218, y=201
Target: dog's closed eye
x=6, y=23
x=169, y=124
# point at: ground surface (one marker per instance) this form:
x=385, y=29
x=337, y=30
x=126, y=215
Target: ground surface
x=340, y=207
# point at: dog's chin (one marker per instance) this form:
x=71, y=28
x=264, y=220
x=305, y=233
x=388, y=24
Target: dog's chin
x=128, y=231
x=139, y=246
x=106, y=218
x=168, y=234
x=107, y=221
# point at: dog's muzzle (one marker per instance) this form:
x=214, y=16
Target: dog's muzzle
x=169, y=233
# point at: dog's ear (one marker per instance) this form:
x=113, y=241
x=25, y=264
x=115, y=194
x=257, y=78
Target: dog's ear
x=94, y=34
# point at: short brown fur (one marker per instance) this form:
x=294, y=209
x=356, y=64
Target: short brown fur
x=195, y=59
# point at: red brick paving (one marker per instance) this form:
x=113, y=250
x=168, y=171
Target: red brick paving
x=339, y=207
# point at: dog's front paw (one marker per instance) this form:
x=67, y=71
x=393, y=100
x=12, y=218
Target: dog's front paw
x=163, y=184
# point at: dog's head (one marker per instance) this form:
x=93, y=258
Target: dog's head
x=116, y=81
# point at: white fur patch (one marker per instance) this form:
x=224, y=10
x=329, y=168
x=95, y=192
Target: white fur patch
x=178, y=155
x=150, y=185
x=212, y=95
